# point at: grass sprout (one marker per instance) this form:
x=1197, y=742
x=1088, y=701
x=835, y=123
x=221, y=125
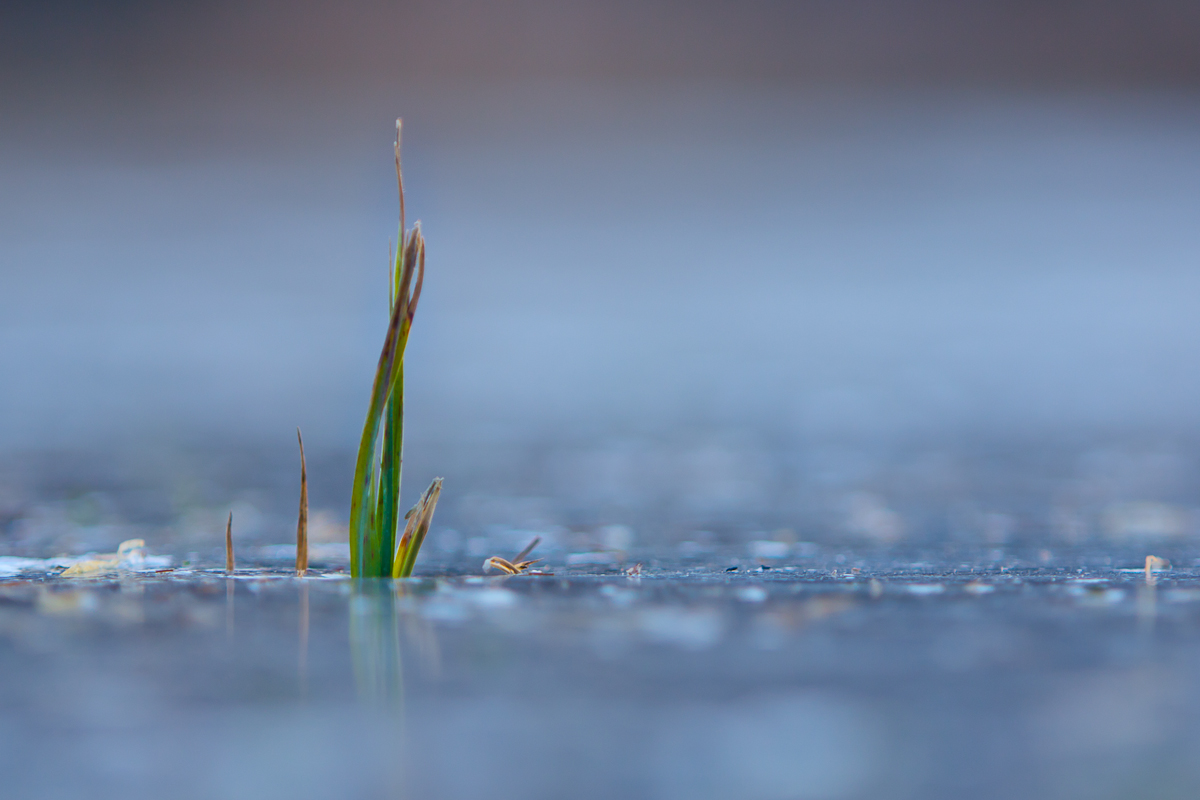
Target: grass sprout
x=374, y=504
x=417, y=524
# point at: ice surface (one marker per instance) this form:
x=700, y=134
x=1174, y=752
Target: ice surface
x=896, y=674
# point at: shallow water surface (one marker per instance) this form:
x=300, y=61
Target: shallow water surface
x=884, y=675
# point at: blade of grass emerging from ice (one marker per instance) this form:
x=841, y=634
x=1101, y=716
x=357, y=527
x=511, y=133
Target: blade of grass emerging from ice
x=419, y=519
x=377, y=471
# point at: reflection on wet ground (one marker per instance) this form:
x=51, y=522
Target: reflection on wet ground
x=884, y=674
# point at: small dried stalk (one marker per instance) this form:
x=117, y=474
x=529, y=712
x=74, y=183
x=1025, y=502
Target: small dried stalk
x=302, y=521
x=229, y=545
x=518, y=564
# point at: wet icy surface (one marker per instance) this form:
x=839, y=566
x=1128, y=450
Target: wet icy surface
x=981, y=673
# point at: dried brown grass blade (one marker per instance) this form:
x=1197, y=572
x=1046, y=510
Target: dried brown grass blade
x=229, y=545
x=400, y=175
x=302, y=521
x=528, y=549
x=508, y=567
x=501, y=564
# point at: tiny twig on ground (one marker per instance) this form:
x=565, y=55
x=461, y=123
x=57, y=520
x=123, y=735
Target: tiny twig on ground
x=517, y=565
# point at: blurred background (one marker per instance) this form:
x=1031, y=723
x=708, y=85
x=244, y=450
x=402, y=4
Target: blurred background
x=700, y=273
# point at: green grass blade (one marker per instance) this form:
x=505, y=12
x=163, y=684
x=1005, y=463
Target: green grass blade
x=380, y=562
x=363, y=501
x=377, y=471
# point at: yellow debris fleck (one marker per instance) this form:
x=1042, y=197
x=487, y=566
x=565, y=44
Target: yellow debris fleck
x=91, y=568
x=130, y=550
x=1155, y=564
